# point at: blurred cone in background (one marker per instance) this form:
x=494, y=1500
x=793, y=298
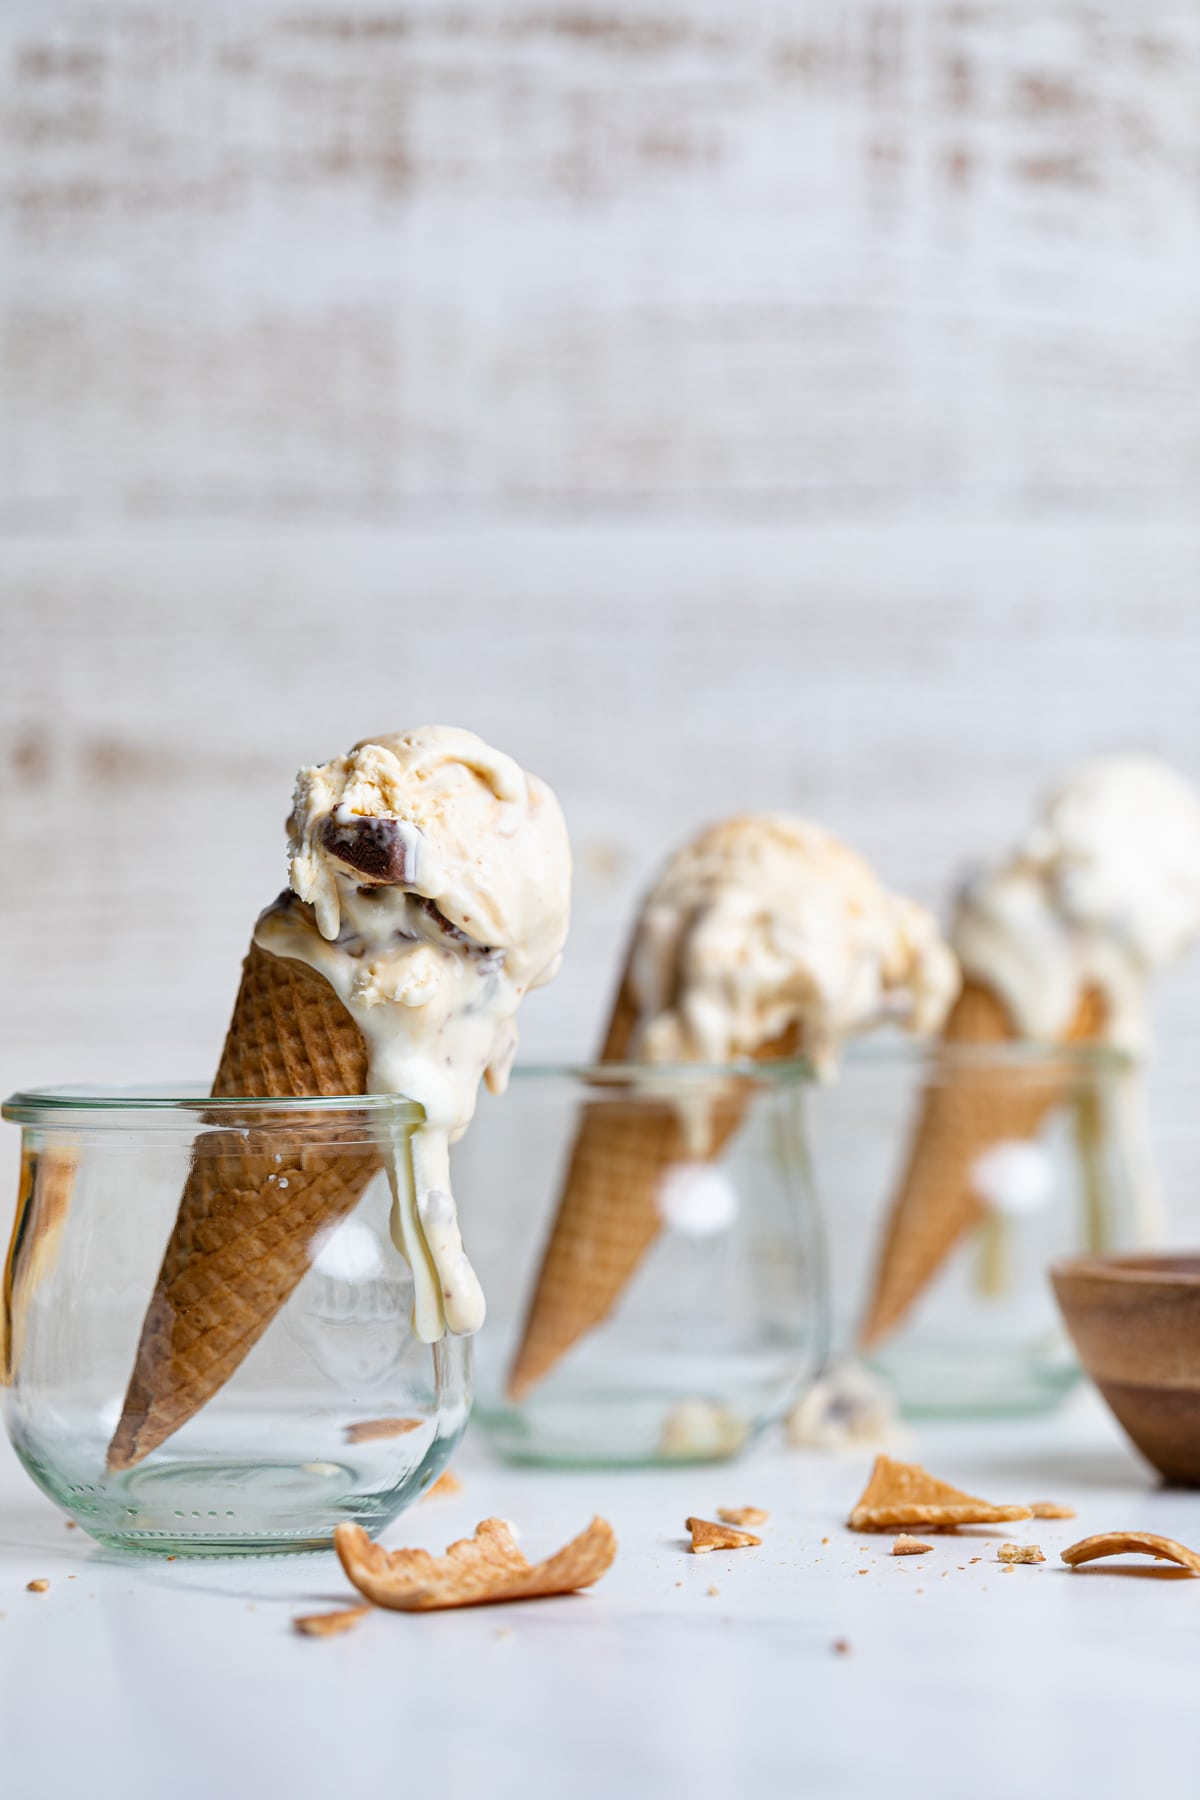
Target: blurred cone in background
x=608, y=1213
x=968, y=1112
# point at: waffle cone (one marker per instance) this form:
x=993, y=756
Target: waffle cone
x=242, y=1241
x=47, y=1185
x=969, y=1111
x=608, y=1212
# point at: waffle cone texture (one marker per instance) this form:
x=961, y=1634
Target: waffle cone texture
x=970, y=1110
x=254, y=1202
x=608, y=1213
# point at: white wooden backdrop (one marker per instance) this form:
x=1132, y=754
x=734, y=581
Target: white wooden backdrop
x=717, y=405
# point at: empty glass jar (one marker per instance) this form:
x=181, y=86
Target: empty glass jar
x=650, y=1250
x=207, y=1342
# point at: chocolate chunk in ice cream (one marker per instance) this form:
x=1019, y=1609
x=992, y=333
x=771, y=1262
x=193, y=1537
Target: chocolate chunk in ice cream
x=378, y=850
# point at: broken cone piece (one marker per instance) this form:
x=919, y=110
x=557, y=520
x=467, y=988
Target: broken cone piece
x=445, y=1487
x=707, y=1535
x=330, y=1624
x=370, y=1431
x=1132, y=1543
x=906, y=1494
x=474, y=1571
x=909, y=1546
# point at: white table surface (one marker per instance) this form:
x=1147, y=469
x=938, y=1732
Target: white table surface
x=146, y=1679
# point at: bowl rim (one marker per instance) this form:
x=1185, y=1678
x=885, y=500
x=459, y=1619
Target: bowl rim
x=1137, y=1268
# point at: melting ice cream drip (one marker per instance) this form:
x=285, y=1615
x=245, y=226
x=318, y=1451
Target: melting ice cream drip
x=434, y=877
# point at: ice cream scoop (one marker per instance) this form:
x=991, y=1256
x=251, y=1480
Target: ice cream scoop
x=1102, y=892
x=764, y=925
x=430, y=890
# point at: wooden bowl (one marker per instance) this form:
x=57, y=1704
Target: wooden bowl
x=1135, y=1321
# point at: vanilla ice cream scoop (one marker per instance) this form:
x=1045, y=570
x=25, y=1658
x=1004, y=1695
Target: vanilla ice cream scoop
x=765, y=927
x=1103, y=892
x=430, y=886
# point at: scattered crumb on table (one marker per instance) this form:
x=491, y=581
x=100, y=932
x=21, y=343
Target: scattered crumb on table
x=1020, y=1553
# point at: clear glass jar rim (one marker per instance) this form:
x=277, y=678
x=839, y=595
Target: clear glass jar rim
x=777, y=1072
x=33, y=1106
x=58, y=1105
x=906, y=1052
x=1020, y=1053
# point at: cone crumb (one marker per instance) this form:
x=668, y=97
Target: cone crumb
x=445, y=1487
x=713, y=1592
x=1050, y=1509
x=841, y=1646
x=37, y=1587
x=371, y=1431
x=742, y=1515
x=330, y=1624
x=909, y=1546
x=707, y=1535
x=1020, y=1553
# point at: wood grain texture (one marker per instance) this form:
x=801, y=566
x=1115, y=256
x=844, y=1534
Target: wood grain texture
x=319, y=261
x=910, y=684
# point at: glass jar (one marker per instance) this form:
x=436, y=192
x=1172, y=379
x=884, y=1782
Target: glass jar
x=1014, y=1155
x=279, y=1386
x=649, y=1245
